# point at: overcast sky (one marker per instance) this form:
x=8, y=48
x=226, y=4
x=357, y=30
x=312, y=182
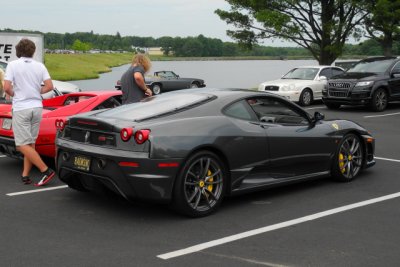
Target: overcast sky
x=144, y=18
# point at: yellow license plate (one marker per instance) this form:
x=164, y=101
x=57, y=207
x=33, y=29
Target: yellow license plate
x=82, y=163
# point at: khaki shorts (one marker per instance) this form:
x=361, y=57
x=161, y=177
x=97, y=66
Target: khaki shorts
x=25, y=124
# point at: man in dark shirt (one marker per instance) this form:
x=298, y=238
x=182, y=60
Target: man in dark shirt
x=133, y=85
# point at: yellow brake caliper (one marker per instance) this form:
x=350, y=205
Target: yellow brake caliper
x=341, y=163
x=210, y=187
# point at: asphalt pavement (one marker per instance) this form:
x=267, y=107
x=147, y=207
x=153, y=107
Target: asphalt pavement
x=316, y=223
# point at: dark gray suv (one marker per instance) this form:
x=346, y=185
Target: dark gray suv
x=371, y=82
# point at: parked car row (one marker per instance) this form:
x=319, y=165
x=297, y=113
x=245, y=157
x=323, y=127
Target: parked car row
x=372, y=82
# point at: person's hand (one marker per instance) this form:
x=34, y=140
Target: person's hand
x=148, y=92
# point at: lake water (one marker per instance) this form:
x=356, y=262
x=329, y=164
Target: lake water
x=218, y=74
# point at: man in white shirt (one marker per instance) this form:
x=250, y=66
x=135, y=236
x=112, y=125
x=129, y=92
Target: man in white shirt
x=23, y=81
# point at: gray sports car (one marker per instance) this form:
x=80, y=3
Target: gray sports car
x=192, y=147
x=166, y=81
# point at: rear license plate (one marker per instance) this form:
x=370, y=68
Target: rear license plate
x=82, y=163
x=6, y=124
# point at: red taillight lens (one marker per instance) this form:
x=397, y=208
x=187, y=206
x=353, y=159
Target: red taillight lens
x=126, y=134
x=60, y=124
x=142, y=136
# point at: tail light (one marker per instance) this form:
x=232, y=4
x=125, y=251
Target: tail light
x=126, y=134
x=60, y=124
x=142, y=136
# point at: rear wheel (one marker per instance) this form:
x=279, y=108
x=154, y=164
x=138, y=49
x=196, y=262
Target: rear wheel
x=379, y=100
x=306, y=97
x=156, y=88
x=200, y=185
x=348, y=159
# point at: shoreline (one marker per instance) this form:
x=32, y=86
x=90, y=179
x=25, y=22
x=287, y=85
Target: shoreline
x=71, y=67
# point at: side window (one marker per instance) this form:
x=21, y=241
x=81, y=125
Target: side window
x=239, y=110
x=109, y=103
x=75, y=99
x=326, y=72
x=271, y=110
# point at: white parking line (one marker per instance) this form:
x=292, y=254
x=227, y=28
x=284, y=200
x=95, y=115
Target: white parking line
x=3, y=156
x=277, y=226
x=383, y=115
x=395, y=160
x=36, y=190
x=315, y=108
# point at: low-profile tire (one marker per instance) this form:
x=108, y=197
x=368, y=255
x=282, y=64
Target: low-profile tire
x=349, y=158
x=194, y=85
x=306, y=97
x=379, y=100
x=156, y=88
x=332, y=105
x=200, y=185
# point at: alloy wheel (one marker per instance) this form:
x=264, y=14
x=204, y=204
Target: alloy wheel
x=350, y=157
x=380, y=100
x=156, y=89
x=203, y=184
x=305, y=97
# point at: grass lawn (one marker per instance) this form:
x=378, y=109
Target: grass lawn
x=67, y=67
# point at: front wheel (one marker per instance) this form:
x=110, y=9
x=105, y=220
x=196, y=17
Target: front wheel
x=200, y=185
x=349, y=159
x=156, y=88
x=306, y=97
x=379, y=100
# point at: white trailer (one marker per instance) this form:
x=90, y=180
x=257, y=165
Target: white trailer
x=8, y=41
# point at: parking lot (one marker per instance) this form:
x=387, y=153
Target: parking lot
x=317, y=223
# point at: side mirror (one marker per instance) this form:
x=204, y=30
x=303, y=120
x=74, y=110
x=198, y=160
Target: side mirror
x=322, y=78
x=318, y=116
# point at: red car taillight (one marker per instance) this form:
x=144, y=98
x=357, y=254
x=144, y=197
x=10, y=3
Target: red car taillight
x=60, y=124
x=142, y=136
x=126, y=134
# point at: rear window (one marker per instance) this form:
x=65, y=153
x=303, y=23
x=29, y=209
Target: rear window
x=378, y=66
x=155, y=106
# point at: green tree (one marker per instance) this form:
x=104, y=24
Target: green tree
x=383, y=23
x=321, y=27
x=80, y=46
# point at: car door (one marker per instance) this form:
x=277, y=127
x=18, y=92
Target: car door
x=296, y=146
x=394, y=81
x=248, y=148
x=171, y=81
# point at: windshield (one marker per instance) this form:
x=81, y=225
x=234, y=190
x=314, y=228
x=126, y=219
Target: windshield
x=377, y=66
x=301, y=73
x=156, y=106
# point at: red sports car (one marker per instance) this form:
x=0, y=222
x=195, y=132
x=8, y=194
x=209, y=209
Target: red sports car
x=55, y=111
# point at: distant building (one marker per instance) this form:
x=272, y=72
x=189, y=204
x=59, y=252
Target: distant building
x=154, y=51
